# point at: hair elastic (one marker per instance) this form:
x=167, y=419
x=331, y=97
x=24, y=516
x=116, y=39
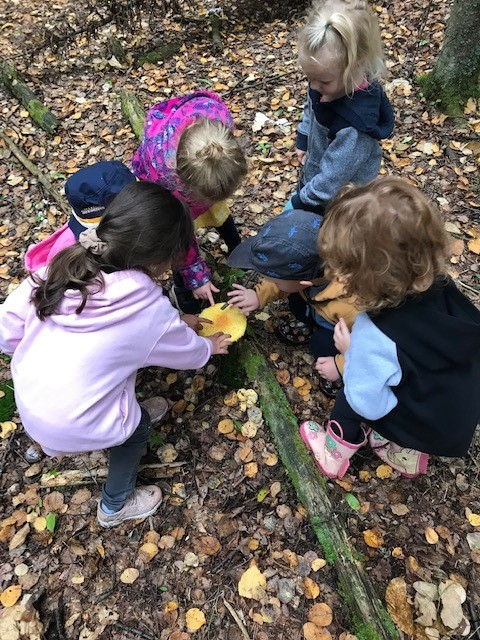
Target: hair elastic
x=91, y=242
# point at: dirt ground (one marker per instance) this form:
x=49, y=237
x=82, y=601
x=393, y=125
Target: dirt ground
x=228, y=500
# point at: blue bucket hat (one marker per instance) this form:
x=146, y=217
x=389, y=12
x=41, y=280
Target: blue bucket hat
x=285, y=248
x=90, y=190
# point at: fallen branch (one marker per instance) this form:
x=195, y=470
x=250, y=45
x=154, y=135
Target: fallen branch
x=28, y=164
x=369, y=617
x=37, y=110
x=133, y=111
x=215, y=22
x=72, y=477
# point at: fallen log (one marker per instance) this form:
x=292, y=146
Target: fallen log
x=133, y=111
x=369, y=618
x=28, y=164
x=161, y=53
x=37, y=110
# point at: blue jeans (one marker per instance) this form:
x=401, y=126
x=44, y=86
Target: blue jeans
x=123, y=467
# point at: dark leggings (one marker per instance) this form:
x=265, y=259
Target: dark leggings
x=321, y=342
x=347, y=418
x=123, y=466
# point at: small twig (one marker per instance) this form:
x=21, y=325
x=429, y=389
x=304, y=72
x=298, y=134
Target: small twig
x=36, y=172
x=467, y=286
x=59, y=620
x=136, y=632
x=236, y=617
x=419, y=38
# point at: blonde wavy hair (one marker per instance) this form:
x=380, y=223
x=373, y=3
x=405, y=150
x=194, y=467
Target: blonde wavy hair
x=210, y=162
x=348, y=31
x=384, y=241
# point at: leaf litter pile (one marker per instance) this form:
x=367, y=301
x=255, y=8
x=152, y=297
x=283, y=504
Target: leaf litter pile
x=230, y=554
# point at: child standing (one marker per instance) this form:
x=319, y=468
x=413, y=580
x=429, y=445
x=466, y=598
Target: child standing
x=189, y=148
x=413, y=357
x=79, y=330
x=285, y=252
x=347, y=112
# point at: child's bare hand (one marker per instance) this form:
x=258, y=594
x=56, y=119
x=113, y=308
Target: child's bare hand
x=220, y=343
x=244, y=299
x=195, y=322
x=341, y=336
x=301, y=156
x=325, y=365
x=205, y=292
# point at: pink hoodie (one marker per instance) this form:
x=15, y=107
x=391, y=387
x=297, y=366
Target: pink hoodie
x=74, y=374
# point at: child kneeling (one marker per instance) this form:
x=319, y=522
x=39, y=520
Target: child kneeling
x=79, y=329
x=285, y=252
x=412, y=361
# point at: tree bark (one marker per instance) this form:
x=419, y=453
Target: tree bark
x=456, y=75
x=133, y=111
x=369, y=618
x=37, y=110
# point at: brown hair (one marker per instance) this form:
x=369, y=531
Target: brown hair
x=347, y=30
x=384, y=241
x=210, y=162
x=143, y=226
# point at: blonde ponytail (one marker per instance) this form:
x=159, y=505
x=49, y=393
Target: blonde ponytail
x=348, y=31
x=210, y=162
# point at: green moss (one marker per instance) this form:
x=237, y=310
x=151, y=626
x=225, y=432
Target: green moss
x=450, y=97
x=7, y=402
x=41, y=115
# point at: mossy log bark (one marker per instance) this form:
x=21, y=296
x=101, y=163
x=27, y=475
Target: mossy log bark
x=160, y=54
x=370, y=620
x=133, y=111
x=37, y=110
x=28, y=164
x=456, y=75
x=215, y=22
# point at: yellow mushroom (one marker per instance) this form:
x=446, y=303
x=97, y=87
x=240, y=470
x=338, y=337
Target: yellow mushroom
x=229, y=320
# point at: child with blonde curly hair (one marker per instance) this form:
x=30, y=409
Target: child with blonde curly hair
x=412, y=360
x=189, y=148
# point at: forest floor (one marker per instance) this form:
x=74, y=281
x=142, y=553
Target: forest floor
x=228, y=500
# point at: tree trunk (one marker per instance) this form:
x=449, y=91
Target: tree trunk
x=369, y=618
x=38, y=111
x=133, y=111
x=456, y=75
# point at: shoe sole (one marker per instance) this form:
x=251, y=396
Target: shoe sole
x=110, y=525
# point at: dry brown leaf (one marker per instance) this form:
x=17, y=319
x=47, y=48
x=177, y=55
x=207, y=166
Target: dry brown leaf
x=320, y=614
x=373, y=538
x=147, y=552
x=311, y=590
x=129, y=575
x=312, y=632
x=474, y=246
x=282, y=376
x=226, y=426
x=195, y=618
x=431, y=535
x=252, y=584
x=10, y=596
x=251, y=469
x=19, y=538
x=209, y=545
x=398, y=606
x=399, y=509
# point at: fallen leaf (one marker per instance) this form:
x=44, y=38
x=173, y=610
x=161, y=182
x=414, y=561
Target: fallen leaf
x=431, y=537
x=195, y=618
x=252, y=583
x=311, y=590
x=318, y=563
x=399, y=509
x=19, y=538
x=474, y=246
x=373, y=538
x=473, y=518
x=320, y=614
x=398, y=606
x=384, y=471
x=129, y=575
x=209, y=545
x=452, y=595
x=147, y=552
x=10, y=596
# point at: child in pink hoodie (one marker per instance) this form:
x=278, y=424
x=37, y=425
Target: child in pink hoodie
x=79, y=329
x=189, y=148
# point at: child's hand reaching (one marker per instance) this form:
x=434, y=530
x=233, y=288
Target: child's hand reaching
x=327, y=369
x=195, y=322
x=244, y=299
x=205, y=292
x=301, y=156
x=220, y=343
x=341, y=336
